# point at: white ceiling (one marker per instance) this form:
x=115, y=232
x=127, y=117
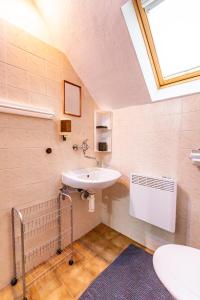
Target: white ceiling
x=95, y=38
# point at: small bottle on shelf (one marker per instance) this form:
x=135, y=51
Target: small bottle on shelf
x=102, y=146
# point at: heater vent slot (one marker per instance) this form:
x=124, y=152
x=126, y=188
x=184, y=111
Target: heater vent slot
x=164, y=184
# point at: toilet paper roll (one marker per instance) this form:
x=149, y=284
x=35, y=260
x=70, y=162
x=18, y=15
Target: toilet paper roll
x=195, y=157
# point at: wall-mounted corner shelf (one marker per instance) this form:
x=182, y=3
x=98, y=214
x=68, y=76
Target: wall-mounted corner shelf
x=25, y=110
x=103, y=130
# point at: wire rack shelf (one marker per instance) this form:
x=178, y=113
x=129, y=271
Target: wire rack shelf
x=38, y=233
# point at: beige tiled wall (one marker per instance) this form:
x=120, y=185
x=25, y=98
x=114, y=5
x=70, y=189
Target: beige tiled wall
x=33, y=72
x=156, y=139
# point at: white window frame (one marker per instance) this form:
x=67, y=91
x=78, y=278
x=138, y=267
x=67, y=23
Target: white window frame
x=157, y=94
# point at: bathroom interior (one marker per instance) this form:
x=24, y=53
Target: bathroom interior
x=99, y=150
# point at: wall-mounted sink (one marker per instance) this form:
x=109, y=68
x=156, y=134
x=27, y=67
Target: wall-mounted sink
x=90, y=178
x=178, y=267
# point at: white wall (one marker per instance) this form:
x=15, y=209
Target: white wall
x=156, y=140
x=32, y=72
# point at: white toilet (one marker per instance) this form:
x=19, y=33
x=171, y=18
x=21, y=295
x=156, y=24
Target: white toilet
x=178, y=268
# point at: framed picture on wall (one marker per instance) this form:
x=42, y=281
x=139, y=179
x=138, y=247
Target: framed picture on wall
x=72, y=99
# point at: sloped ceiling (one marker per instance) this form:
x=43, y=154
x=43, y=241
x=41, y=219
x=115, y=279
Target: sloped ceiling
x=94, y=36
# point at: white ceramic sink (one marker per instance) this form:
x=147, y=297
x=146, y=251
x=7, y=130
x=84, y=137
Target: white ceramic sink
x=90, y=178
x=178, y=267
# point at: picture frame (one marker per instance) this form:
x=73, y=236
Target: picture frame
x=72, y=99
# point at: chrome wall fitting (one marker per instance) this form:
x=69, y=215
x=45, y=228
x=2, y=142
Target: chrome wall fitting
x=84, y=146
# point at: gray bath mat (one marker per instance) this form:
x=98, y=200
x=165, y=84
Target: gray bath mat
x=130, y=277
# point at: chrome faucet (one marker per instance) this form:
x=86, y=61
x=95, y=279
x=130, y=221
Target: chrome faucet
x=84, y=146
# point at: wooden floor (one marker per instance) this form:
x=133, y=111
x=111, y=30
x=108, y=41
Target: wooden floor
x=93, y=253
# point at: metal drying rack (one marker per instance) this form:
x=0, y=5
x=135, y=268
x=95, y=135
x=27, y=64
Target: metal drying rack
x=38, y=233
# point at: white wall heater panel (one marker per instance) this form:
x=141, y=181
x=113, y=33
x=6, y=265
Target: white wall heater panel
x=153, y=200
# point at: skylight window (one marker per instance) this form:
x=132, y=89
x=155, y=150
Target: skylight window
x=171, y=32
